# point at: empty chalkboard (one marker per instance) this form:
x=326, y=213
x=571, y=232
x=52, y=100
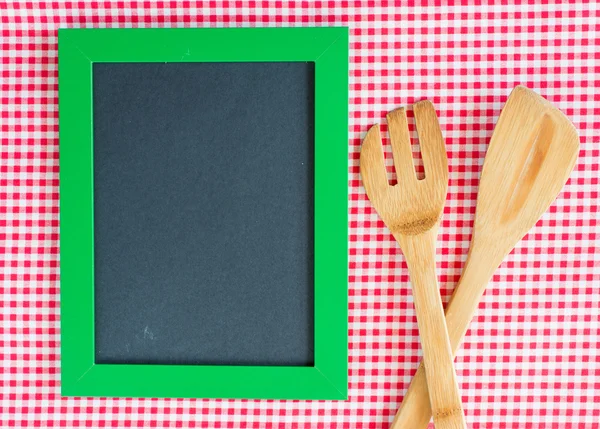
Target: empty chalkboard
x=203, y=213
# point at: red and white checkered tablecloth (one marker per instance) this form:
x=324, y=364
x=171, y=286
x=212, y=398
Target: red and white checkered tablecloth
x=532, y=356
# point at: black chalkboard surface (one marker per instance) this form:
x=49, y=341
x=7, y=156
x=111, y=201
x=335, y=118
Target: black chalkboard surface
x=203, y=213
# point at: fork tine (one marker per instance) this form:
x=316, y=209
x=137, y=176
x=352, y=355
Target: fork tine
x=401, y=150
x=433, y=150
x=372, y=165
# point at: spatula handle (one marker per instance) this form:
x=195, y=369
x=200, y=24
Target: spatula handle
x=415, y=411
x=444, y=396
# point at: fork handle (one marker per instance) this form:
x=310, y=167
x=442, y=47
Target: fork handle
x=444, y=396
x=415, y=410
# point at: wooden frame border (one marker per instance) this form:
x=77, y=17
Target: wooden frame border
x=78, y=50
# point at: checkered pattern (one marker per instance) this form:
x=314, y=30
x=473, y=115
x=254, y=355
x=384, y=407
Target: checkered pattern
x=531, y=358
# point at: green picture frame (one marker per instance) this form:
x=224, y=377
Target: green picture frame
x=328, y=49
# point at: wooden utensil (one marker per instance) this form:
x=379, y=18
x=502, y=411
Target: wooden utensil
x=530, y=156
x=412, y=210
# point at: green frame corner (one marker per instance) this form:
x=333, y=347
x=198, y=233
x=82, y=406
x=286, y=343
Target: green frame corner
x=328, y=49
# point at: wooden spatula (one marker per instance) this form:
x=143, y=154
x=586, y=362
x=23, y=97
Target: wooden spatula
x=411, y=209
x=530, y=156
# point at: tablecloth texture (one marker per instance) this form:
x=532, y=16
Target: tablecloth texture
x=531, y=357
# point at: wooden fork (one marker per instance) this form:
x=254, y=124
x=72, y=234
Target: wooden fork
x=412, y=210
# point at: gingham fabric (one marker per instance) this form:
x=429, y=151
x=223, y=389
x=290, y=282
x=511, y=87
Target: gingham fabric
x=531, y=357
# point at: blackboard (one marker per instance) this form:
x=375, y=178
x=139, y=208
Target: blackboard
x=203, y=213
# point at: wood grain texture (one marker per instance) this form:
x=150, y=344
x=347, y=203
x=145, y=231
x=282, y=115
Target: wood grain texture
x=411, y=210
x=531, y=154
